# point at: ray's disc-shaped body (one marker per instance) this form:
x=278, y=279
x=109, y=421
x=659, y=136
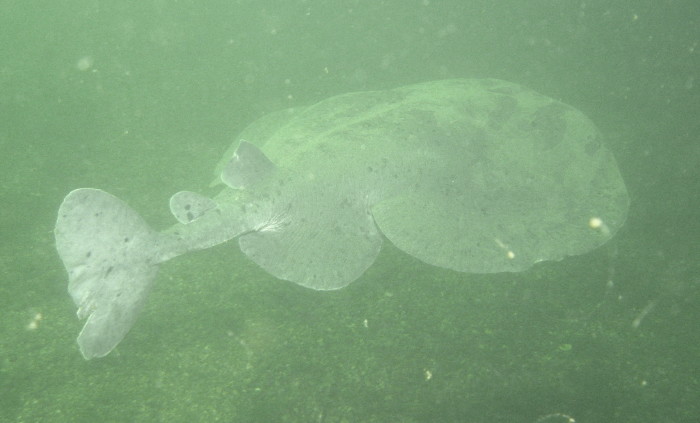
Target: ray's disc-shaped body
x=471, y=175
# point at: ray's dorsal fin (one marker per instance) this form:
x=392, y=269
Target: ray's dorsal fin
x=187, y=206
x=247, y=167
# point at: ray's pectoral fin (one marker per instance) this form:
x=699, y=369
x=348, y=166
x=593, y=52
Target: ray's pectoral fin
x=312, y=233
x=111, y=256
x=320, y=239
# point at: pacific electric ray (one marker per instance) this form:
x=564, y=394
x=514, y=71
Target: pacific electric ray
x=471, y=175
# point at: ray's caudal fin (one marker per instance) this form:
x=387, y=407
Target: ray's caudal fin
x=112, y=257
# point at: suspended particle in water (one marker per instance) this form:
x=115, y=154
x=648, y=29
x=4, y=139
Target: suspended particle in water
x=598, y=224
x=556, y=418
x=85, y=63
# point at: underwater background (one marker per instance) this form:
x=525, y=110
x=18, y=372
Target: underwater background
x=141, y=99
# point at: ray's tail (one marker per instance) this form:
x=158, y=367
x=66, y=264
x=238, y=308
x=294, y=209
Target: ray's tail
x=112, y=257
